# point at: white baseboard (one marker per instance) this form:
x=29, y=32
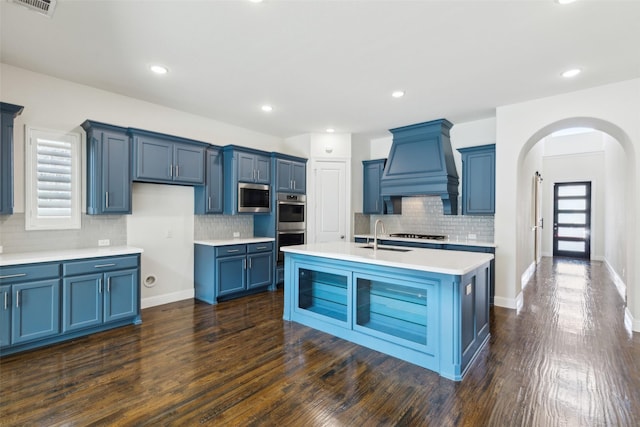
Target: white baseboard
x=617, y=280
x=512, y=303
x=527, y=275
x=630, y=322
x=167, y=298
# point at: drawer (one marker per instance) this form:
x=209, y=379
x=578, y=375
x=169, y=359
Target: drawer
x=28, y=272
x=96, y=265
x=231, y=250
x=260, y=247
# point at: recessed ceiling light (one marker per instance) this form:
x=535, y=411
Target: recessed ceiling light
x=571, y=73
x=159, y=69
x=398, y=94
x=255, y=1
x=330, y=130
x=565, y=1
x=267, y=108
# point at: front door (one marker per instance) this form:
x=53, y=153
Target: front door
x=572, y=219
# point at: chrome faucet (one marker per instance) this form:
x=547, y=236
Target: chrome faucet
x=375, y=233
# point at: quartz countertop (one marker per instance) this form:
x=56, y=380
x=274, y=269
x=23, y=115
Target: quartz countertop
x=422, y=259
x=238, y=241
x=66, y=254
x=461, y=242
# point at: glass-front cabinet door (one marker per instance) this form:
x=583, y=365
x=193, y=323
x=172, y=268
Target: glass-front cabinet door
x=324, y=293
x=399, y=311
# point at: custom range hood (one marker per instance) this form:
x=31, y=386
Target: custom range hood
x=421, y=163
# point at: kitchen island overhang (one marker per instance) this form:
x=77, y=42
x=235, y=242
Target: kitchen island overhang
x=426, y=306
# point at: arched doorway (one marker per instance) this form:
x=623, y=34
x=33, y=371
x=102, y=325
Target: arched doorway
x=615, y=204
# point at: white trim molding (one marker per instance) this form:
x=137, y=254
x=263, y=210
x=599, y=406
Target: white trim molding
x=527, y=275
x=167, y=298
x=630, y=322
x=617, y=280
x=512, y=303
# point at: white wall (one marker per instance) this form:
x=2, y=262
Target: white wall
x=614, y=109
x=58, y=104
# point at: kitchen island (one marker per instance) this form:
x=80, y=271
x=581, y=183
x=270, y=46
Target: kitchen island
x=429, y=307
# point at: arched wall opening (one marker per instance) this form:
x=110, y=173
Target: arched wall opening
x=617, y=204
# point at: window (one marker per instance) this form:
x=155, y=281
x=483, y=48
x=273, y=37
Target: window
x=52, y=180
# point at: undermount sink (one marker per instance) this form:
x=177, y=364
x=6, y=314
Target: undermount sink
x=385, y=248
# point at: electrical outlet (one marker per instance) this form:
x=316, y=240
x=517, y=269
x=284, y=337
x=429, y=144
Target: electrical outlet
x=236, y=234
x=471, y=236
x=104, y=242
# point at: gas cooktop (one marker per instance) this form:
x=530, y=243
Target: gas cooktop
x=418, y=236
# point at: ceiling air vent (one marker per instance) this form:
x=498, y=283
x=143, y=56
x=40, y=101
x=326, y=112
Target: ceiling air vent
x=45, y=7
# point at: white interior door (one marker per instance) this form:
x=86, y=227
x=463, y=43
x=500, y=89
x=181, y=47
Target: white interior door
x=330, y=208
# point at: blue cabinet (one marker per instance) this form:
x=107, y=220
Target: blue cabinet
x=478, y=180
x=30, y=303
x=108, y=169
x=99, y=290
x=232, y=270
x=38, y=308
x=291, y=174
x=253, y=167
x=5, y=315
x=8, y=112
x=167, y=159
x=209, y=198
x=371, y=198
x=242, y=165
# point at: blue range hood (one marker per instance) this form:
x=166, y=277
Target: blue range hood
x=421, y=163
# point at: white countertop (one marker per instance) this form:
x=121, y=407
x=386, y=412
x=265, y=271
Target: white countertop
x=239, y=241
x=432, y=260
x=66, y=254
x=462, y=242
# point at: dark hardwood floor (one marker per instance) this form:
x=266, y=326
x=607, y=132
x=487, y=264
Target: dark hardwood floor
x=565, y=359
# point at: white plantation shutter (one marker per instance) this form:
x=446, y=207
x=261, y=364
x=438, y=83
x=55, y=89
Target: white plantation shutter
x=53, y=180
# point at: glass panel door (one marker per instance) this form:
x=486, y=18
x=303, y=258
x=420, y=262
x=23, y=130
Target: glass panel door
x=572, y=219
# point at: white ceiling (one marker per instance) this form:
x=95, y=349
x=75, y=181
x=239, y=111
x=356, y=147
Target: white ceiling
x=329, y=63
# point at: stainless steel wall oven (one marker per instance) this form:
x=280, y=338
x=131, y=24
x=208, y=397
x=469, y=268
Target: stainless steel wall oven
x=291, y=221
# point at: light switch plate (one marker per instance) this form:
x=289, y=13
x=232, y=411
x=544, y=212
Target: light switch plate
x=104, y=242
x=472, y=236
x=236, y=234
x=468, y=289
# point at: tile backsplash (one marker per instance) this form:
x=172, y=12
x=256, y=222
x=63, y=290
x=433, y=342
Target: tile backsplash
x=14, y=238
x=423, y=215
x=212, y=227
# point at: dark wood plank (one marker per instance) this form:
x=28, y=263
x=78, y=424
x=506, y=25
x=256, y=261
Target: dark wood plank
x=565, y=359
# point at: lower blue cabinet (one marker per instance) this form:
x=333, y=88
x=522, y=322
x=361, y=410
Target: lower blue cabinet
x=42, y=304
x=232, y=270
x=36, y=310
x=94, y=299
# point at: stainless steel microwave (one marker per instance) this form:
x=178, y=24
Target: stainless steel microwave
x=254, y=198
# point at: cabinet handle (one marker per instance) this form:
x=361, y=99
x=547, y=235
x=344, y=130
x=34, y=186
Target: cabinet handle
x=104, y=265
x=177, y=170
x=253, y=175
x=100, y=285
x=209, y=203
x=376, y=205
x=261, y=247
x=106, y=199
x=258, y=174
x=249, y=263
x=13, y=275
x=6, y=300
x=244, y=264
x=17, y=299
x=171, y=171
x=233, y=250
x=108, y=284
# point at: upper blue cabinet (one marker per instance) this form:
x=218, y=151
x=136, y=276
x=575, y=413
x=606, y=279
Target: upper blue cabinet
x=108, y=169
x=167, y=159
x=478, y=180
x=291, y=174
x=371, y=198
x=252, y=167
x=8, y=112
x=208, y=197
